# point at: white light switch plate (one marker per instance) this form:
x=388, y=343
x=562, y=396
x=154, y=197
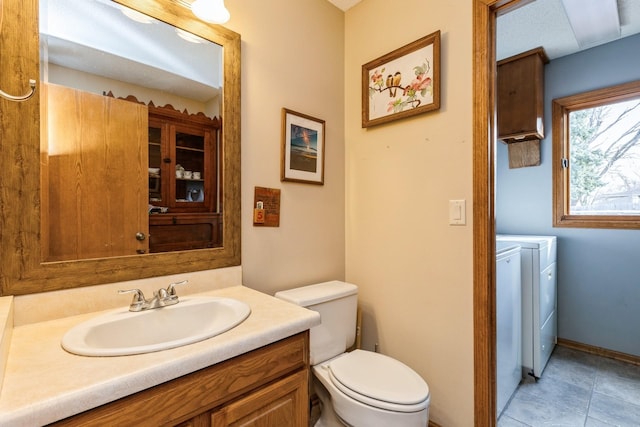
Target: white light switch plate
x=457, y=212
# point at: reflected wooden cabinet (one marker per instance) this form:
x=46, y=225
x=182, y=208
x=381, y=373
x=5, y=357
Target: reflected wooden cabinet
x=263, y=388
x=175, y=232
x=184, y=195
x=94, y=199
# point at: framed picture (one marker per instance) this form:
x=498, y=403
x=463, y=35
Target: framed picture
x=402, y=83
x=302, y=148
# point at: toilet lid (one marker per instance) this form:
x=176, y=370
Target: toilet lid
x=380, y=381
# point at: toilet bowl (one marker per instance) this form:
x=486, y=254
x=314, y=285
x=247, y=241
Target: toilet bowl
x=358, y=388
x=370, y=389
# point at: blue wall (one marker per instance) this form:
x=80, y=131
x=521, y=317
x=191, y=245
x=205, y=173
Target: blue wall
x=598, y=270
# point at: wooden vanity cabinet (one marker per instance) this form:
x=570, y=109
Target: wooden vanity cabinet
x=520, y=92
x=263, y=388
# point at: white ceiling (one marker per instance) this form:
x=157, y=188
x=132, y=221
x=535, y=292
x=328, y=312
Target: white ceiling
x=97, y=38
x=544, y=23
x=538, y=23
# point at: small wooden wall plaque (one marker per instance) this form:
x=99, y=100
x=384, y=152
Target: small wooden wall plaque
x=268, y=201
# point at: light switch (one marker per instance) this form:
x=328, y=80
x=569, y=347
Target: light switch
x=457, y=212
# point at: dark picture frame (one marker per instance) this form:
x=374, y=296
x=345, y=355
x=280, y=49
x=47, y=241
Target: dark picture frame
x=303, y=148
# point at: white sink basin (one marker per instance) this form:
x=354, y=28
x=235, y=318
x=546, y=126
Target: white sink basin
x=122, y=332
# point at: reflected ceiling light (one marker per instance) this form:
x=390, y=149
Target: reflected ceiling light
x=212, y=11
x=136, y=16
x=190, y=37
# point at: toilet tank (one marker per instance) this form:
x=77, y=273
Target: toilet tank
x=337, y=303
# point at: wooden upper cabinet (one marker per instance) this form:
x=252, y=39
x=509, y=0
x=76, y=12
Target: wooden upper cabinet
x=184, y=181
x=520, y=94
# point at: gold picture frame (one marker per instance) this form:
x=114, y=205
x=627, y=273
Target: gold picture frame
x=402, y=83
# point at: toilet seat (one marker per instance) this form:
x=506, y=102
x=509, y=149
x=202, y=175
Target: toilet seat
x=380, y=381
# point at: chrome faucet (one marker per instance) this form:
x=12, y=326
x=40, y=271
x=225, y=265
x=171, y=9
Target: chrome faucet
x=161, y=298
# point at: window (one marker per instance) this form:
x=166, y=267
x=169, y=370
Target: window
x=596, y=158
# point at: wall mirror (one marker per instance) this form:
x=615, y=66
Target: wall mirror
x=138, y=146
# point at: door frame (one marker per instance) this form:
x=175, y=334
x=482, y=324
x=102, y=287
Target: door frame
x=484, y=137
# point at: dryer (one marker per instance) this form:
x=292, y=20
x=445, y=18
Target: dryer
x=539, y=299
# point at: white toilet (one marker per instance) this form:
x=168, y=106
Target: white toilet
x=360, y=388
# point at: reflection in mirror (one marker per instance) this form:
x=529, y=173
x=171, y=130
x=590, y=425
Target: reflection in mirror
x=25, y=190
x=130, y=134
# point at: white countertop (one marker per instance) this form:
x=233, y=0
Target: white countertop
x=43, y=383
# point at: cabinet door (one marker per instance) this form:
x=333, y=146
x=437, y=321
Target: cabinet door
x=191, y=152
x=182, y=166
x=283, y=403
x=156, y=169
x=95, y=173
x=520, y=95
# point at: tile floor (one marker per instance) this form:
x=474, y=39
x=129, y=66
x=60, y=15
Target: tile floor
x=577, y=389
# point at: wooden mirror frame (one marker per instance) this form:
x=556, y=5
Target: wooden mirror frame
x=21, y=269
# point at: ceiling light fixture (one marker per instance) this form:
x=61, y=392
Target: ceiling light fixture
x=212, y=11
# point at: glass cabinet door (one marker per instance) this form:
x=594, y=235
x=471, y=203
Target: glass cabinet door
x=190, y=167
x=182, y=166
x=155, y=165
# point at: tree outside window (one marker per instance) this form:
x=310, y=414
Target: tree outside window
x=596, y=169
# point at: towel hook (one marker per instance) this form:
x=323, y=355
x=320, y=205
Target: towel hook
x=32, y=85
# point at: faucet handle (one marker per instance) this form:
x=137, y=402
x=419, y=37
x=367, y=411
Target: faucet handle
x=161, y=293
x=137, y=298
x=171, y=288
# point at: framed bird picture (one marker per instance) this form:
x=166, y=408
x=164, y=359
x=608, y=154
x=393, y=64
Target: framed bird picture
x=402, y=83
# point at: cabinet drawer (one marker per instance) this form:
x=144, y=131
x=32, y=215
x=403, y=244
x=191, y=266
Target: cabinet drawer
x=175, y=232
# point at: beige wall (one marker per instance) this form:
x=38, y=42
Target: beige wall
x=293, y=57
x=414, y=270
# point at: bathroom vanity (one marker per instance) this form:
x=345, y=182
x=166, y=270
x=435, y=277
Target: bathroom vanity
x=257, y=369
x=267, y=382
